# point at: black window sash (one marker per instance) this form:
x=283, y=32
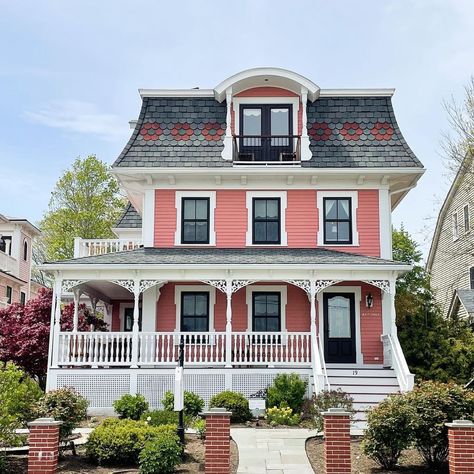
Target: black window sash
x=256, y=220
x=266, y=338
x=337, y=220
x=183, y=316
x=9, y=294
x=195, y=220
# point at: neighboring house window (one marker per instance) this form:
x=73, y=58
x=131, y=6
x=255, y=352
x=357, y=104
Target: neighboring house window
x=467, y=224
x=195, y=221
x=128, y=319
x=266, y=221
x=194, y=311
x=6, y=244
x=9, y=294
x=25, y=250
x=22, y=298
x=471, y=277
x=266, y=311
x=337, y=220
x=455, y=226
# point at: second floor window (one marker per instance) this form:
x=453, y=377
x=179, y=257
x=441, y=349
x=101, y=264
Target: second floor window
x=471, y=277
x=25, y=250
x=337, y=221
x=467, y=224
x=266, y=221
x=195, y=221
x=455, y=226
x=9, y=294
x=22, y=298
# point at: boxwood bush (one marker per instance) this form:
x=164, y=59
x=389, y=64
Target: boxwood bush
x=193, y=403
x=161, y=454
x=117, y=441
x=234, y=402
x=287, y=390
x=131, y=407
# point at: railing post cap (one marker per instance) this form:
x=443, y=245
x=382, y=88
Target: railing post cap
x=460, y=424
x=216, y=411
x=336, y=412
x=45, y=422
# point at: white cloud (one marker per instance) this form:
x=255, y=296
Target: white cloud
x=80, y=117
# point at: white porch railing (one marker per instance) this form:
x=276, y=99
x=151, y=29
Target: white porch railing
x=90, y=247
x=393, y=356
x=290, y=349
x=8, y=263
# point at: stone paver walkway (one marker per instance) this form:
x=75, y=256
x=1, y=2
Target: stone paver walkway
x=275, y=451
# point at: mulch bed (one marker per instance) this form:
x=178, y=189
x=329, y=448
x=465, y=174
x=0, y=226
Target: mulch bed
x=410, y=461
x=69, y=464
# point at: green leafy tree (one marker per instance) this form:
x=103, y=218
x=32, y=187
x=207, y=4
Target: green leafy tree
x=84, y=203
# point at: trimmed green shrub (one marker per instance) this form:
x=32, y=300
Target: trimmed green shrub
x=287, y=390
x=312, y=408
x=435, y=404
x=117, y=441
x=282, y=416
x=131, y=407
x=389, y=431
x=18, y=394
x=193, y=403
x=164, y=417
x=234, y=402
x=161, y=455
x=66, y=405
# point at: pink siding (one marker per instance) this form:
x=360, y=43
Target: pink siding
x=371, y=326
x=230, y=218
x=25, y=265
x=13, y=284
x=301, y=218
x=165, y=218
x=266, y=92
x=115, y=316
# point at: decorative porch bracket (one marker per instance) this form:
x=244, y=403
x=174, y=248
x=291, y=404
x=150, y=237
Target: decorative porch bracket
x=68, y=285
x=384, y=285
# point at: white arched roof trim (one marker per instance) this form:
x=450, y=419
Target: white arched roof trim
x=267, y=76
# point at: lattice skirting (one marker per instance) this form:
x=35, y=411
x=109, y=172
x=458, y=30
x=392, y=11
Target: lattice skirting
x=102, y=386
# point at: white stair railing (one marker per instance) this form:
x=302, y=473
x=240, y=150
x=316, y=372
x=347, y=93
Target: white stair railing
x=394, y=357
x=323, y=362
x=317, y=360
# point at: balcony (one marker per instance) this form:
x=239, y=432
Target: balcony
x=7, y=263
x=91, y=247
x=265, y=150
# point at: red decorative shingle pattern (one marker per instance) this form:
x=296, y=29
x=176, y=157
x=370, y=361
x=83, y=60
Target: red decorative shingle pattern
x=182, y=131
x=351, y=131
x=319, y=131
x=382, y=131
x=212, y=131
x=151, y=131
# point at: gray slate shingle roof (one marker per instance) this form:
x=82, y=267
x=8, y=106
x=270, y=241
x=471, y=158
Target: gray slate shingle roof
x=130, y=219
x=346, y=132
x=229, y=256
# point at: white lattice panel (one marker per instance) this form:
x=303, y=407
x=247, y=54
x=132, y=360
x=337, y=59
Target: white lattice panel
x=154, y=386
x=100, y=389
x=205, y=385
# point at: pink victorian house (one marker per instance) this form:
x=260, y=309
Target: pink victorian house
x=259, y=233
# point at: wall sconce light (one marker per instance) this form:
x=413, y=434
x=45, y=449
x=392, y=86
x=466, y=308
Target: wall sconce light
x=369, y=300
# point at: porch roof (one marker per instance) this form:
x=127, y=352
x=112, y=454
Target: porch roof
x=229, y=256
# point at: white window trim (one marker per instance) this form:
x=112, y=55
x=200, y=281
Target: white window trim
x=354, y=195
x=122, y=308
x=466, y=231
x=238, y=101
x=455, y=225
x=250, y=195
x=356, y=291
x=282, y=289
x=178, y=289
x=179, y=212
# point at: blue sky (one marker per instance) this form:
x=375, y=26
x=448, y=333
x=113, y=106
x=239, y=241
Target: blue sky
x=69, y=73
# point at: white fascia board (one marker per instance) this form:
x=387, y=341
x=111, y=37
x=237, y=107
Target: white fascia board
x=176, y=93
x=357, y=92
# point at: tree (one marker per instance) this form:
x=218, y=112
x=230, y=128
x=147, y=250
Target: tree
x=435, y=348
x=24, y=331
x=84, y=203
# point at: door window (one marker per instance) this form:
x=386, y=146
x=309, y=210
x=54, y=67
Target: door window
x=339, y=317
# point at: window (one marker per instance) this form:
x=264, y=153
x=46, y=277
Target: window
x=455, y=226
x=25, y=250
x=337, y=220
x=9, y=294
x=467, y=224
x=194, y=311
x=471, y=277
x=266, y=311
x=6, y=244
x=128, y=319
x=22, y=298
x=195, y=221
x=266, y=221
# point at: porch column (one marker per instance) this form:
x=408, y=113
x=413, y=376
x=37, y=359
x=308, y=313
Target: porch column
x=135, y=329
x=389, y=325
x=77, y=295
x=228, y=324
x=312, y=302
x=57, y=322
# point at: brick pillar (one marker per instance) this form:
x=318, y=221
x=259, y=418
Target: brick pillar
x=337, y=441
x=461, y=447
x=217, y=443
x=43, y=441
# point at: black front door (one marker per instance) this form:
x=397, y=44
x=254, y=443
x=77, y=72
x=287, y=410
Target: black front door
x=266, y=132
x=339, y=328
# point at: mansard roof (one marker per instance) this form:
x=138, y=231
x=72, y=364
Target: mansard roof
x=345, y=132
x=130, y=219
x=230, y=256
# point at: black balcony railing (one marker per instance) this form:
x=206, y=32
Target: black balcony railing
x=266, y=148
